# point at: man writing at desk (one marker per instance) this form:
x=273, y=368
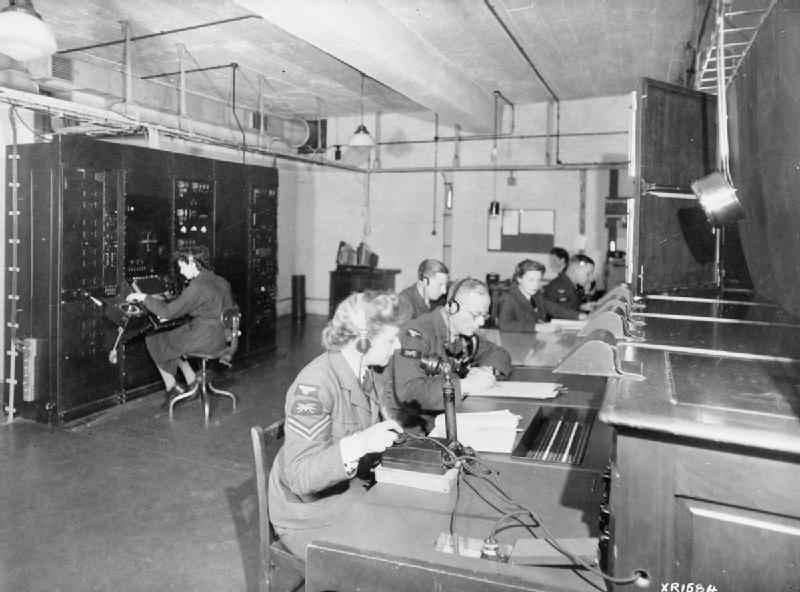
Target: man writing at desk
x=448, y=331
x=419, y=298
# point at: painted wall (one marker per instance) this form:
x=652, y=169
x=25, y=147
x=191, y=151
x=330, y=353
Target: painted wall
x=397, y=213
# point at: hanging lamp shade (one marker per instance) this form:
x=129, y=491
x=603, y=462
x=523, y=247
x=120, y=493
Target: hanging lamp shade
x=361, y=137
x=23, y=34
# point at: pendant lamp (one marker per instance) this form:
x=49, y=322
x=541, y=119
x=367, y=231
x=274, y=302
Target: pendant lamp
x=361, y=137
x=23, y=34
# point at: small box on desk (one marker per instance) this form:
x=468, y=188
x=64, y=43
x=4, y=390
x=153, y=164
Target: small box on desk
x=420, y=456
x=418, y=464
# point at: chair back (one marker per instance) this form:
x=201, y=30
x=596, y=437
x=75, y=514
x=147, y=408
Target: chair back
x=271, y=552
x=232, y=321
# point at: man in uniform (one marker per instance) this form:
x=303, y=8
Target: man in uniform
x=448, y=332
x=563, y=290
x=431, y=284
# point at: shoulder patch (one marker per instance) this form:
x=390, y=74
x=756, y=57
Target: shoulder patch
x=304, y=406
x=413, y=332
x=410, y=353
x=306, y=389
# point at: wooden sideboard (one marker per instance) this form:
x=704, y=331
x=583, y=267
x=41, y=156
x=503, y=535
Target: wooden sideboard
x=347, y=279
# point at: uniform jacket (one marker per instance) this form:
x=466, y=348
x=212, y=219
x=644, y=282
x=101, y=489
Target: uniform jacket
x=412, y=303
x=563, y=292
x=308, y=484
x=203, y=299
x=518, y=313
x=425, y=335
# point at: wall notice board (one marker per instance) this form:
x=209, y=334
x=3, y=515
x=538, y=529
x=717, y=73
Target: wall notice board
x=522, y=231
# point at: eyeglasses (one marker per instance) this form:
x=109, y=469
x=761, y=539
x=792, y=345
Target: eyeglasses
x=478, y=315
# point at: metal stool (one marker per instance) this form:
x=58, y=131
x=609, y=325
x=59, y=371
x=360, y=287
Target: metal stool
x=231, y=319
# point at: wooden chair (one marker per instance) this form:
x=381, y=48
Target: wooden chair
x=273, y=554
x=231, y=319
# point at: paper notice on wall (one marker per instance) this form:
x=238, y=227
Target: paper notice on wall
x=511, y=222
x=495, y=232
x=537, y=221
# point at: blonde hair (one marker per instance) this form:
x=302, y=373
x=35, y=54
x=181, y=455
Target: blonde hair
x=362, y=313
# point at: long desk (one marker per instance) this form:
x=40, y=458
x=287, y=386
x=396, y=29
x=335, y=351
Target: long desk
x=707, y=450
x=386, y=541
x=704, y=469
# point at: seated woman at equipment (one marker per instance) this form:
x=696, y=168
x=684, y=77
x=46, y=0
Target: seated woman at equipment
x=524, y=306
x=203, y=299
x=334, y=420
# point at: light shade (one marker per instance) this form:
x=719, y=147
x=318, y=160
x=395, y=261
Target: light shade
x=361, y=137
x=23, y=34
x=718, y=199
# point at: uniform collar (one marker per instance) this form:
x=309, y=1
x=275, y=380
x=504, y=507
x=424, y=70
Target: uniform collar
x=348, y=380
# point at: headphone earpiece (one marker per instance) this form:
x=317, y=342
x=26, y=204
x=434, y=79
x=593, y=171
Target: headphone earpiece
x=363, y=342
x=425, y=280
x=452, y=305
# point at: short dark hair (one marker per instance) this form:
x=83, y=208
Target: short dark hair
x=431, y=267
x=525, y=266
x=560, y=254
x=197, y=253
x=581, y=259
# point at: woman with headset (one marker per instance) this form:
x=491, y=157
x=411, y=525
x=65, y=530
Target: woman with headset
x=334, y=421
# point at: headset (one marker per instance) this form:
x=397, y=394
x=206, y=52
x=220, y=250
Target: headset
x=452, y=306
x=363, y=342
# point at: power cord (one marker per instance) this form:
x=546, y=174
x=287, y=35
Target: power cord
x=466, y=465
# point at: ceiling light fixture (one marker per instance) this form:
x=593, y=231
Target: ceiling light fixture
x=23, y=34
x=361, y=137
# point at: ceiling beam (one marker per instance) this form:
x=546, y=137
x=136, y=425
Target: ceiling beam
x=364, y=35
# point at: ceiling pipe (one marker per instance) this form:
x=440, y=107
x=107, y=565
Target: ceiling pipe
x=572, y=166
x=533, y=67
x=160, y=33
x=182, y=71
x=458, y=138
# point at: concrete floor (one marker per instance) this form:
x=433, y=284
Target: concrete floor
x=129, y=500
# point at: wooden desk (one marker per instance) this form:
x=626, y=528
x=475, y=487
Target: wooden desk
x=707, y=456
x=386, y=541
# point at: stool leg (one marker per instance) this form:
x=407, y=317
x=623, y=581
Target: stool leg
x=221, y=393
x=186, y=395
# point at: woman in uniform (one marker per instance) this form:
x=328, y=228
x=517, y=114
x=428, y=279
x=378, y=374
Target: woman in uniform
x=524, y=307
x=334, y=420
x=203, y=299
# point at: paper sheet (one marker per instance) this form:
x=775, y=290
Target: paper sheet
x=521, y=390
x=568, y=324
x=489, y=431
x=511, y=222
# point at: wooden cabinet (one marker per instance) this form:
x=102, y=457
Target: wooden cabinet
x=705, y=472
x=346, y=280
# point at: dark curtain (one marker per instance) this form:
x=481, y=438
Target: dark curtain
x=764, y=123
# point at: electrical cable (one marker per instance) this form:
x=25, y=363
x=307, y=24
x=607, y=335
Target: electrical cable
x=464, y=462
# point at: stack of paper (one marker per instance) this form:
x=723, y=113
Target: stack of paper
x=521, y=390
x=490, y=431
x=568, y=324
